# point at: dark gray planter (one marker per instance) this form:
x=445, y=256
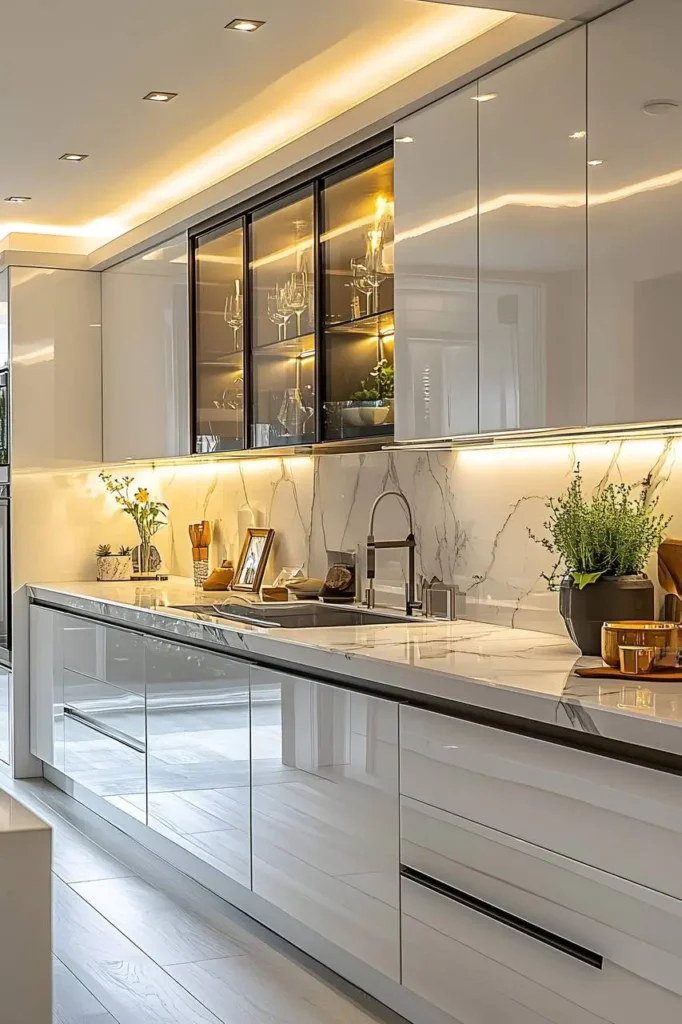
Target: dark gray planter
x=610, y=599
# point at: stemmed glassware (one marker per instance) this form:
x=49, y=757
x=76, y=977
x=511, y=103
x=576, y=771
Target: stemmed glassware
x=361, y=281
x=277, y=311
x=234, y=313
x=296, y=290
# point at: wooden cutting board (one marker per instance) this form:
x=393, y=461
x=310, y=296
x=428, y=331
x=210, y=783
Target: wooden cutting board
x=606, y=672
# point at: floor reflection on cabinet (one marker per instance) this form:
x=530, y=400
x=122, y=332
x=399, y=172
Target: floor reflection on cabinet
x=325, y=812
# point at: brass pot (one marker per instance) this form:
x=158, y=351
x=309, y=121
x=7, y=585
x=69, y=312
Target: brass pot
x=663, y=636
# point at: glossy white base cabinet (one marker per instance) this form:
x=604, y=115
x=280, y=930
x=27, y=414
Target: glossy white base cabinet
x=495, y=926
x=456, y=871
x=325, y=812
x=198, y=754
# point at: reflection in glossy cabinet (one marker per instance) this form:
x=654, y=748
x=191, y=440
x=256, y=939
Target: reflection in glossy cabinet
x=532, y=238
x=436, y=184
x=325, y=812
x=579, y=945
x=198, y=761
x=635, y=191
x=145, y=356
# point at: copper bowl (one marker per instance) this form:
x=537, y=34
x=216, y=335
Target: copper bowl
x=663, y=636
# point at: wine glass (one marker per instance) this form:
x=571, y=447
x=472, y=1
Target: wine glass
x=284, y=307
x=276, y=314
x=297, y=296
x=361, y=281
x=234, y=315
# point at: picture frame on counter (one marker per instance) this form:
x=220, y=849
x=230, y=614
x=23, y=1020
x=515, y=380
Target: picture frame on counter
x=253, y=559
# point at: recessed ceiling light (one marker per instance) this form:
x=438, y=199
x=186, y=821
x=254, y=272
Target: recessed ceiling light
x=405, y=138
x=578, y=135
x=659, y=108
x=244, y=24
x=595, y=163
x=160, y=97
x=485, y=97
x=18, y=199
x=74, y=158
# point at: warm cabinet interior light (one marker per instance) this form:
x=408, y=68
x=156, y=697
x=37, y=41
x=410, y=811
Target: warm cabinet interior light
x=75, y=158
x=405, y=138
x=160, y=97
x=244, y=24
x=18, y=199
x=595, y=163
x=485, y=97
x=578, y=135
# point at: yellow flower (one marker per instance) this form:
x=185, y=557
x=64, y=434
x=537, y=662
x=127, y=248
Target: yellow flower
x=142, y=495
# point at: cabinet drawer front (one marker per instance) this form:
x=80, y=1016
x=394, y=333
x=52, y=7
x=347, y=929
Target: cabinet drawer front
x=570, y=907
x=619, y=817
x=105, y=766
x=117, y=711
x=103, y=652
x=480, y=970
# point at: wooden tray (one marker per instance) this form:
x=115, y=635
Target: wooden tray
x=669, y=675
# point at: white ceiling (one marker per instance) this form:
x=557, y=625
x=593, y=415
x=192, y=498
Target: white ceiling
x=562, y=9
x=73, y=74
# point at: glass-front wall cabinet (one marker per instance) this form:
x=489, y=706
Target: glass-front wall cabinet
x=357, y=256
x=219, y=339
x=282, y=263
x=300, y=348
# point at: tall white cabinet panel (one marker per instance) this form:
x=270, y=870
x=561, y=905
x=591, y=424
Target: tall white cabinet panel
x=436, y=273
x=145, y=353
x=635, y=199
x=325, y=812
x=4, y=319
x=56, y=363
x=532, y=238
x=198, y=754
x=46, y=687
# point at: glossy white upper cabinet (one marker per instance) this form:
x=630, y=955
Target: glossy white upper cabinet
x=56, y=362
x=532, y=240
x=145, y=356
x=635, y=215
x=436, y=278
x=4, y=319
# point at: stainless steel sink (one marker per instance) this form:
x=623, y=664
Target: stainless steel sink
x=295, y=616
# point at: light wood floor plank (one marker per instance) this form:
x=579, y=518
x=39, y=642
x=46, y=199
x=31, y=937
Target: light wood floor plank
x=120, y=976
x=166, y=932
x=266, y=990
x=73, y=1004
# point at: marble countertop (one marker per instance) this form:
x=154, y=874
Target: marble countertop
x=513, y=672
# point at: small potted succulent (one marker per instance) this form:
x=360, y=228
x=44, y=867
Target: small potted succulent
x=112, y=567
x=372, y=404
x=602, y=545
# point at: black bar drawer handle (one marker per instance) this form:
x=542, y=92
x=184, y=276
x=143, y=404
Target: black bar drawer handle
x=533, y=931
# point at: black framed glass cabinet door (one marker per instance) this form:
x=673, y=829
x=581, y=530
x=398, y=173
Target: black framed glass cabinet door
x=282, y=276
x=219, y=332
x=357, y=238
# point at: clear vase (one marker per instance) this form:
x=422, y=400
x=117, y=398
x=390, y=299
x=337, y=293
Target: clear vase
x=145, y=555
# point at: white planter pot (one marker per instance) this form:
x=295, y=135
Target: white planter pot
x=112, y=568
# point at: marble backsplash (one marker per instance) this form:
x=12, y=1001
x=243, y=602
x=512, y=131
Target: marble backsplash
x=472, y=512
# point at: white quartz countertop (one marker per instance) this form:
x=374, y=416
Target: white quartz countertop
x=511, y=672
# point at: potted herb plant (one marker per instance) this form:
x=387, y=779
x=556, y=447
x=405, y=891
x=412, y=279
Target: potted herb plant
x=149, y=516
x=112, y=567
x=601, y=545
x=372, y=403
